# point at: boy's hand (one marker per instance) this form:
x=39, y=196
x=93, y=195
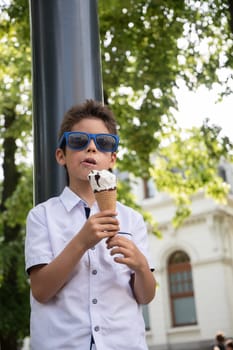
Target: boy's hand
x=98, y=226
x=131, y=255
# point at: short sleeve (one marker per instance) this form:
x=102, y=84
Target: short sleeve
x=37, y=244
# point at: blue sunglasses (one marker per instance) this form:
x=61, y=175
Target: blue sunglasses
x=78, y=140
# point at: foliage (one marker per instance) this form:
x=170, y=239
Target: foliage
x=155, y=45
x=125, y=196
x=16, y=186
x=188, y=164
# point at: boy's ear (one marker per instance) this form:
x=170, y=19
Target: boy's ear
x=113, y=159
x=60, y=157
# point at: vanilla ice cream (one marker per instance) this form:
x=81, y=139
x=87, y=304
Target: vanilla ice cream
x=103, y=184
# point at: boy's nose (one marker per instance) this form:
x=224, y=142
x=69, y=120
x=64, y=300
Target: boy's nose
x=91, y=147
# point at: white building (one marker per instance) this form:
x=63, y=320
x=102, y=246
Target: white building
x=194, y=270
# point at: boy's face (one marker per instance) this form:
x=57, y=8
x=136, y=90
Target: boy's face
x=80, y=163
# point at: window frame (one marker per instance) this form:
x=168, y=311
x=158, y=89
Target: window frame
x=180, y=268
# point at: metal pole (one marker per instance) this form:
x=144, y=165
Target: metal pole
x=66, y=69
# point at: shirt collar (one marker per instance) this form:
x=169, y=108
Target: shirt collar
x=70, y=199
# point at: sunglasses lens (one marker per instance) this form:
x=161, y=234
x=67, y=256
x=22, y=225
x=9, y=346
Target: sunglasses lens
x=77, y=141
x=106, y=143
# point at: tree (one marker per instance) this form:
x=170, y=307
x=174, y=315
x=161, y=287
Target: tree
x=16, y=186
x=148, y=48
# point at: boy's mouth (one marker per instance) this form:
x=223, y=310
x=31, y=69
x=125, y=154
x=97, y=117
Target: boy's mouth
x=89, y=161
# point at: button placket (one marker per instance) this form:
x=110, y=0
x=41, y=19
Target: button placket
x=94, y=312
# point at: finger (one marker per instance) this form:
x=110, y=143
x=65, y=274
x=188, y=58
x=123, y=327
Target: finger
x=107, y=234
x=108, y=227
x=119, y=241
x=119, y=250
x=120, y=260
x=106, y=220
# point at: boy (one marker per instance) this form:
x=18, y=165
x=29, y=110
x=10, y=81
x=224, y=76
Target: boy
x=219, y=341
x=83, y=295
x=229, y=344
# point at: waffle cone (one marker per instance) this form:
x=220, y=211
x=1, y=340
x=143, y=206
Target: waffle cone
x=106, y=199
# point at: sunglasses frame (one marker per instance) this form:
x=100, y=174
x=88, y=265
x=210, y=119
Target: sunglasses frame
x=66, y=134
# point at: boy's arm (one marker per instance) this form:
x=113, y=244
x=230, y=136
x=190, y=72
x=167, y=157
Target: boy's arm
x=143, y=285
x=47, y=280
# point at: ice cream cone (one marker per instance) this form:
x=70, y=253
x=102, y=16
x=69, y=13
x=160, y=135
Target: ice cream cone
x=103, y=184
x=106, y=199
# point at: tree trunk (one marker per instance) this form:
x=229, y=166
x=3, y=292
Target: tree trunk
x=9, y=290
x=230, y=2
x=8, y=343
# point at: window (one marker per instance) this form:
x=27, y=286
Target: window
x=222, y=173
x=181, y=290
x=149, y=188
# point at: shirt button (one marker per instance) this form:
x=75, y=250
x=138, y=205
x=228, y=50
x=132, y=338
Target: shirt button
x=92, y=248
x=94, y=301
x=97, y=328
x=94, y=272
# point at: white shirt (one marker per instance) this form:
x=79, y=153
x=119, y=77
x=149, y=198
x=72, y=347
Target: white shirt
x=97, y=299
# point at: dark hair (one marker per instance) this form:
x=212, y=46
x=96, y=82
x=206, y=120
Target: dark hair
x=229, y=343
x=220, y=337
x=88, y=109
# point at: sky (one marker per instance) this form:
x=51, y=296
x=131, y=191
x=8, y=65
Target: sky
x=194, y=107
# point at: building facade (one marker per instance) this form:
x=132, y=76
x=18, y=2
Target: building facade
x=194, y=270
